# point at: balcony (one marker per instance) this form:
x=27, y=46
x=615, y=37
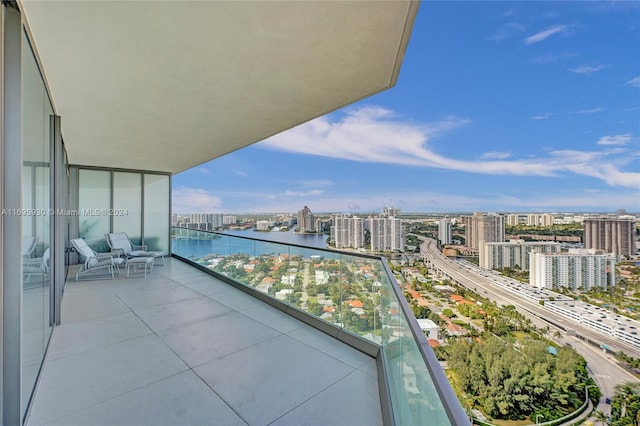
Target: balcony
x=183, y=346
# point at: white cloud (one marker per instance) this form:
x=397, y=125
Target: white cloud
x=588, y=111
x=317, y=182
x=635, y=82
x=506, y=31
x=615, y=140
x=367, y=134
x=587, y=69
x=495, y=155
x=614, y=177
x=543, y=35
x=194, y=200
x=376, y=135
x=596, y=165
x=554, y=114
x=541, y=116
x=313, y=192
x=241, y=173
x=550, y=58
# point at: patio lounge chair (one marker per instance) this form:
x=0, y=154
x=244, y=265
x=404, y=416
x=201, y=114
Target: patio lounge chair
x=95, y=261
x=28, y=246
x=36, y=265
x=120, y=242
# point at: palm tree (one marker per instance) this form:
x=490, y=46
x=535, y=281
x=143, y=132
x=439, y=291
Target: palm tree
x=600, y=416
x=626, y=392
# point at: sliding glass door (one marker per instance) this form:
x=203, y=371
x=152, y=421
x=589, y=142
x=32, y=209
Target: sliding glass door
x=37, y=248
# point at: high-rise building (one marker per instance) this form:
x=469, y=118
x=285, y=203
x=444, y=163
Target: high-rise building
x=200, y=221
x=321, y=224
x=483, y=227
x=391, y=212
x=613, y=235
x=580, y=269
x=536, y=219
x=444, y=231
x=513, y=219
x=395, y=234
x=547, y=220
x=376, y=230
x=512, y=253
x=306, y=220
x=216, y=221
x=347, y=231
x=229, y=220
x=356, y=232
x=386, y=232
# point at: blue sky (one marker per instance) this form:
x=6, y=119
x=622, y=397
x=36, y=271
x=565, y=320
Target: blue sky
x=499, y=106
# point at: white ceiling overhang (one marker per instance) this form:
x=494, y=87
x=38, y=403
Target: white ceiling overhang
x=168, y=85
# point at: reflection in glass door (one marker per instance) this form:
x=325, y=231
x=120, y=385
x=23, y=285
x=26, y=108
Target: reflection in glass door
x=37, y=249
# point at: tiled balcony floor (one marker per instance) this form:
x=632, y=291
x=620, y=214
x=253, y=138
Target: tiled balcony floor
x=182, y=348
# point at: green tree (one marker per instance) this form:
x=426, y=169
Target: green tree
x=448, y=313
x=600, y=417
x=625, y=404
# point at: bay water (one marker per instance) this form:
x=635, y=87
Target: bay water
x=224, y=245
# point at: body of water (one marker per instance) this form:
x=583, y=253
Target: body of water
x=195, y=248
x=288, y=237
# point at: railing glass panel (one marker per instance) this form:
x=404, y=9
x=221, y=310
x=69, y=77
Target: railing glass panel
x=353, y=292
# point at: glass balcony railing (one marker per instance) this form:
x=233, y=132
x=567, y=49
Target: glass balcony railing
x=352, y=292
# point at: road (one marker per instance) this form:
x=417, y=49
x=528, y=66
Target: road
x=601, y=365
x=486, y=284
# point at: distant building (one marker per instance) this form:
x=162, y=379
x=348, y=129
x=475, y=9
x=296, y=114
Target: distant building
x=306, y=220
x=430, y=328
x=580, y=269
x=347, y=231
x=264, y=225
x=229, y=220
x=540, y=219
x=483, y=227
x=386, y=231
x=391, y=212
x=444, y=231
x=322, y=277
x=284, y=294
x=512, y=253
x=513, y=219
x=613, y=235
x=322, y=224
x=200, y=221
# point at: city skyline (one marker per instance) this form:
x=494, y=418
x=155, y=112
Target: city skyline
x=533, y=107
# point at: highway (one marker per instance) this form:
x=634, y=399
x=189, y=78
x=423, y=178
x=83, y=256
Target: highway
x=602, y=366
x=486, y=283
